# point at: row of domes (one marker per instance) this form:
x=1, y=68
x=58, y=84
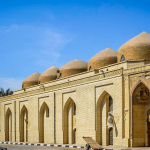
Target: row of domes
x=136, y=48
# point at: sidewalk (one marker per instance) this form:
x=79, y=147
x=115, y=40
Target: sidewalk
x=110, y=147
x=44, y=144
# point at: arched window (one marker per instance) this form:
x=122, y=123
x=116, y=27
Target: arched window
x=74, y=136
x=90, y=68
x=122, y=58
x=74, y=109
x=47, y=112
x=23, y=87
x=60, y=76
x=111, y=136
x=148, y=115
x=110, y=103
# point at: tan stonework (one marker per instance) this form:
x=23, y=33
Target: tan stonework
x=136, y=48
x=65, y=109
x=103, y=58
x=48, y=75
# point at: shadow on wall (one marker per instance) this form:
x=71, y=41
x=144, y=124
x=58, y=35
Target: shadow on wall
x=116, y=131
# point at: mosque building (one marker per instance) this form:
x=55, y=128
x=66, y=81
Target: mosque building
x=107, y=99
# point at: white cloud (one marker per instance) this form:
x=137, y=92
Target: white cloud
x=36, y=41
x=6, y=29
x=40, y=44
x=12, y=83
x=53, y=42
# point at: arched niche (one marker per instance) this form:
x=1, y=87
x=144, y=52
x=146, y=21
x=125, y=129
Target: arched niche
x=140, y=106
x=8, y=125
x=44, y=113
x=69, y=133
x=24, y=124
x=102, y=109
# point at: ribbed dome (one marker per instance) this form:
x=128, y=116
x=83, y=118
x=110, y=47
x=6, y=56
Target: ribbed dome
x=136, y=48
x=49, y=75
x=73, y=67
x=103, y=58
x=31, y=80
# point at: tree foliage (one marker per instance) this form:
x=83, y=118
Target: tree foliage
x=5, y=93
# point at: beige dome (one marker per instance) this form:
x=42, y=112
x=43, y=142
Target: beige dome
x=103, y=58
x=73, y=67
x=31, y=80
x=136, y=48
x=49, y=75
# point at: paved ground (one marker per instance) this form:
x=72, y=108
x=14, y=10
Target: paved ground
x=124, y=148
x=24, y=147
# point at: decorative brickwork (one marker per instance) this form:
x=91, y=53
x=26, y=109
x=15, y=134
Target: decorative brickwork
x=136, y=48
x=76, y=104
x=103, y=58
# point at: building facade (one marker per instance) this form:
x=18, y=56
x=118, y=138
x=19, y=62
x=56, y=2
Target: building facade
x=107, y=99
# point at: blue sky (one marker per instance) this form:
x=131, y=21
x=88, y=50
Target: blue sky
x=37, y=34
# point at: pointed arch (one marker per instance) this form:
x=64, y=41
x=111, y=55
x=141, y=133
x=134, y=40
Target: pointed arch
x=140, y=81
x=8, y=125
x=68, y=102
x=140, y=96
x=102, y=110
x=100, y=99
x=138, y=91
x=45, y=107
x=69, y=124
x=24, y=124
x=44, y=110
x=90, y=68
x=122, y=58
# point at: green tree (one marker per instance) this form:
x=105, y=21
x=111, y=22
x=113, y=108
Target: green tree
x=5, y=93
